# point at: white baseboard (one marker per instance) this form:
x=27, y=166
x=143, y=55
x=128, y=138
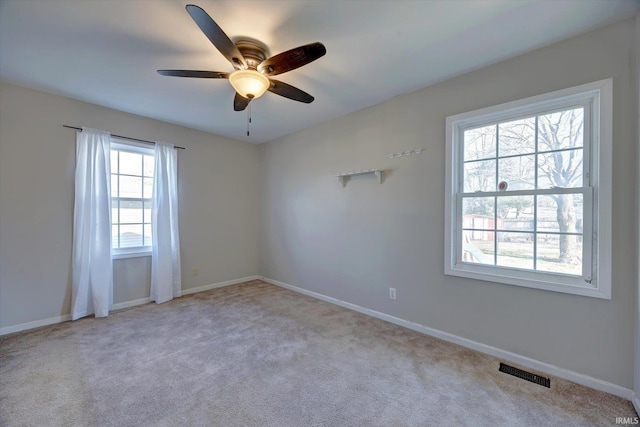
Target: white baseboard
x=35, y=324
x=127, y=304
x=59, y=319
x=482, y=348
x=218, y=285
x=636, y=401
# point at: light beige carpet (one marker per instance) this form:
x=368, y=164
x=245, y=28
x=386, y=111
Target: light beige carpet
x=257, y=355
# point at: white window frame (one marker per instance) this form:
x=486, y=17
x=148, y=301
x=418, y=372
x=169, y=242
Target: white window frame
x=123, y=145
x=596, y=279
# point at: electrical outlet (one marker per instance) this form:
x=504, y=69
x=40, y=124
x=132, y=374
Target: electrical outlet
x=392, y=293
x=195, y=272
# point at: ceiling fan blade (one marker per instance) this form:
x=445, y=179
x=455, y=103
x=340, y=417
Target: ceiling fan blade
x=192, y=73
x=215, y=34
x=292, y=59
x=240, y=102
x=290, y=92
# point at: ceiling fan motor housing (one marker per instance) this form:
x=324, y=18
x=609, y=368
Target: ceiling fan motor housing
x=253, y=53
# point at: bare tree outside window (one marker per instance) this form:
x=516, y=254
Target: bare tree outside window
x=561, y=135
x=541, y=152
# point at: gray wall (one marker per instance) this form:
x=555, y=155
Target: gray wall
x=354, y=243
x=218, y=180
x=637, y=64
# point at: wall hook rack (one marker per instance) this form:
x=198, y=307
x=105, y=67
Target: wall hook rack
x=405, y=153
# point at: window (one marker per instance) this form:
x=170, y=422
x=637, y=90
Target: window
x=529, y=192
x=132, y=170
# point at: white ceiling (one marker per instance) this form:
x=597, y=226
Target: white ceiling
x=107, y=51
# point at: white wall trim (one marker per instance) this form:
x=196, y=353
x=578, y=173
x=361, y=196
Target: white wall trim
x=218, y=285
x=35, y=324
x=127, y=304
x=64, y=318
x=566, y=374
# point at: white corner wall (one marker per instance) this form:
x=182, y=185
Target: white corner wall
x=218, y=185
x=352, y=244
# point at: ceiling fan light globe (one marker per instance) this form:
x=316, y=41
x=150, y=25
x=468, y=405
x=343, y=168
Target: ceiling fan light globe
x=249, y=83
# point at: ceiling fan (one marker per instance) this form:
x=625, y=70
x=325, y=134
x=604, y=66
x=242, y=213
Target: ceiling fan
x=252, y=77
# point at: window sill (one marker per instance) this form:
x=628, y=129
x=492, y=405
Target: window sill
x=575, y=288
x=133, y=254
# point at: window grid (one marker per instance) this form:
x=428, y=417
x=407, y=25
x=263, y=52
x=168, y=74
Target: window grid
x=535, y=196
x=118, y=200
x=495, y=199
x=534, y=232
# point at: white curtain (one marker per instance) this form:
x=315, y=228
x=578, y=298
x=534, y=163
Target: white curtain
x=165, y=258
x=92, y=272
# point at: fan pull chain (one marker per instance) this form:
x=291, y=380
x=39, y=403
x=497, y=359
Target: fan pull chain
x=248, y=119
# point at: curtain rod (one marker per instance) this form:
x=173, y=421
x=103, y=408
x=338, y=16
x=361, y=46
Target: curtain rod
x=125, y=137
